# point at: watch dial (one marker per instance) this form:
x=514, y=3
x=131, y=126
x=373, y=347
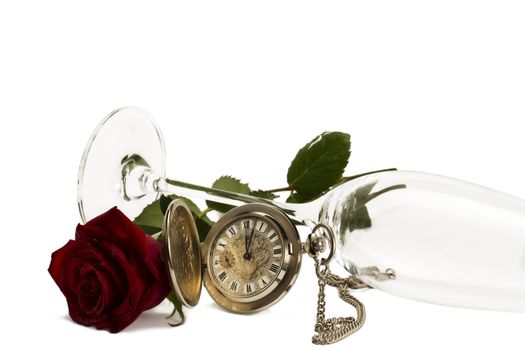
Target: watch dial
x=247, y=256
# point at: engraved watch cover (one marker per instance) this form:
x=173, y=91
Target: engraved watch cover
x=182, y=253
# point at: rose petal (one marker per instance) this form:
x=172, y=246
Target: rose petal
x=159, y=286
x=127, y=309
x=57, y=268
x=89, y=297
x=113, y=226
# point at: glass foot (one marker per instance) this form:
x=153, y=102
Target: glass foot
x=127, y=139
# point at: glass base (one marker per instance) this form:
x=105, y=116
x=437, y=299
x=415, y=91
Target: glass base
x=125, y=134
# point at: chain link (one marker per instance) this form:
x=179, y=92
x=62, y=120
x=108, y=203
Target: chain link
x=351, y=282
x=334, y=329
x=331, y=330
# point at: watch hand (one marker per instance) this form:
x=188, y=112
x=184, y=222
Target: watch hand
x=250, y=241
x=247, y=244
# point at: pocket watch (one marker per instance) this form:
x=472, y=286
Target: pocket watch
x=250, y=259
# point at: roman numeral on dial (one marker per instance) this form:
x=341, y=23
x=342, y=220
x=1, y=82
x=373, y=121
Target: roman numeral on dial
x=261, y=226
x=221, y=244
x=234, y=285
x=249, y=287
x=232, y=231
x=277, y=251
x=264, y=281
x=222, y=276
x=272, y=235
x=274, y=268
x=246, y=224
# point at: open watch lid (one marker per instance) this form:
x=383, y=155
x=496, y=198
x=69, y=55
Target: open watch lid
x=182, y=253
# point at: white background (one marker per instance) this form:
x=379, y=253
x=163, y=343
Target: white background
x=436, y=86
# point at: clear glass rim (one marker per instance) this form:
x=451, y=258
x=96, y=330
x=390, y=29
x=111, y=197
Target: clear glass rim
x=85, y=159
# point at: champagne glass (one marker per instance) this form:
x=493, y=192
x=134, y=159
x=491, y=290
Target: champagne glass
x=416, y=235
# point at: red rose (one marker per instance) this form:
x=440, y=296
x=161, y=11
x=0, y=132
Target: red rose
x=111, y=273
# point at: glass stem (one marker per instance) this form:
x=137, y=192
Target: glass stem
x=304, y=212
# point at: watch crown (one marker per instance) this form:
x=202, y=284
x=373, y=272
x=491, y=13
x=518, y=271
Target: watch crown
x=314, y=245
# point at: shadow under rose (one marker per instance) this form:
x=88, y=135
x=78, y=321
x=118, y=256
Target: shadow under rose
x=149, y=319
x=154, y=318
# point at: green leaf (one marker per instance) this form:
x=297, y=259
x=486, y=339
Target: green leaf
x=230, y=184
x=292, y=199
x=177, y=308
x=299, y=198
x=165, y=202
x=264, y=194
x=151, y=218
x=319, y=164
x=150, y=230
x=360, y=219
x=361, y=193
x=203, y=227
x=354, y=213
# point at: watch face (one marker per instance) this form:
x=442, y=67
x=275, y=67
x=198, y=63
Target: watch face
x=247, y=256
x=253, y=257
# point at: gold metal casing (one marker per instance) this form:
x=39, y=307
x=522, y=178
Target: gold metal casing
x=291, y=260
x=182, y=253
